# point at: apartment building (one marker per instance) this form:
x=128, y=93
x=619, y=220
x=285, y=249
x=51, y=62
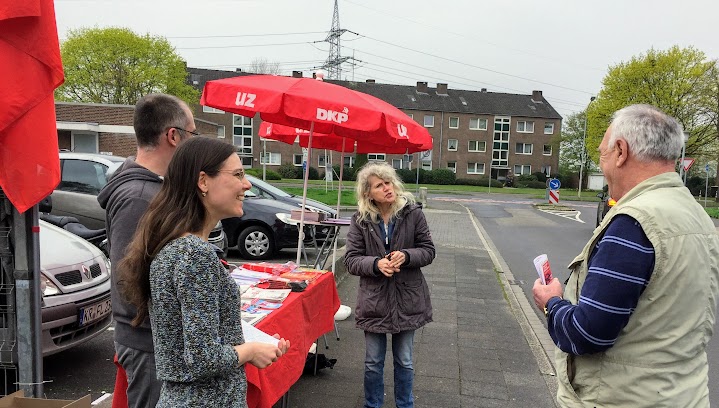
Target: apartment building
x=475, y=133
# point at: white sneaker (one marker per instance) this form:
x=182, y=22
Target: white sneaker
x=343, y=312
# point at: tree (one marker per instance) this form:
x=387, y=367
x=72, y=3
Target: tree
x=115, y=65
x=677, y=81
x=263, y=66
x=570, y=147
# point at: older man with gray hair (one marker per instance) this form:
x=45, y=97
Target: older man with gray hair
x=639, y=308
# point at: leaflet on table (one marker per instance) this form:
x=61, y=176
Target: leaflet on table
x=308, y=276
x=272, y=268
x=274, y=295
x=248, y=277
x=254, y=309
x=251, y=333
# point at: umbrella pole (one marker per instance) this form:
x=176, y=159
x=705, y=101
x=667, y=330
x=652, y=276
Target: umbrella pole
x=339, y=198
x=300, y=239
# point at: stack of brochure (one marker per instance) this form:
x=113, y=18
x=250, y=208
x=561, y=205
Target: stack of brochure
x=258, y=303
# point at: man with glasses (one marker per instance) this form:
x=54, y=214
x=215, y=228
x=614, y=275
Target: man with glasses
x=639, y=309
x=161, y=123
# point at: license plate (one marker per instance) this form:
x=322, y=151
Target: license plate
x=94, y=312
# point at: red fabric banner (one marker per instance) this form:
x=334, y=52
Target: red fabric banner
x=30, y=72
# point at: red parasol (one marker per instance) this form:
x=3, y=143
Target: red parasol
x=32, y=69
x=319, y=107
x=290, y=135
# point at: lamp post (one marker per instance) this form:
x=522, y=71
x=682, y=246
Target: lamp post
x=583, y=155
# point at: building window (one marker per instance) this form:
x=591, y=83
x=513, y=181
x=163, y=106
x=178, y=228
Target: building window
x=272, y=159
x=500, y=141
x=84, y=142
x=522, y=169
x=547, y=150
x=549, y=128
x=322, y=160
x=396, y=164
x=477, y=146
x=452, y=166
x=523, y=148
x=221, y=132
x=452, y=145
x=207, y=109
x=547, y=170
x=475, y=168
x=349, y=161
x=428, y=120
x=242, y=134
x=477, y=124
x=453, y=122
x=376, y=156
x=411, y=115
x=297, y=159
x=525, y=126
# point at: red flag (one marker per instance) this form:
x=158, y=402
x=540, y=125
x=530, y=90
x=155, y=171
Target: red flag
x=30, y=72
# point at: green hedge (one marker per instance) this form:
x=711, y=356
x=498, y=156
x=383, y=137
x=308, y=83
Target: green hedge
x=269, y=174
x=480, y=182
x=290, y=171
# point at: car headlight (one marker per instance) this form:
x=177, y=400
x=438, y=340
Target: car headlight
x=108, y=265
x=47, y=287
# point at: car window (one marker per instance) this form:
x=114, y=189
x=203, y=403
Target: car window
x=260, y=193
x=258, y=184
x=82, y=176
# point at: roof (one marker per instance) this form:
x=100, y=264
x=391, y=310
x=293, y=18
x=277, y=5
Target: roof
x=406, y=97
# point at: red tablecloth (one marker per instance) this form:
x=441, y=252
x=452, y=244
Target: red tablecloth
x=302, y=319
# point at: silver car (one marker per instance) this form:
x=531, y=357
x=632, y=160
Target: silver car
x=83, y=175
x=75, y=285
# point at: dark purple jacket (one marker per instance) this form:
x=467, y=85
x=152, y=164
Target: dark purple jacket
x=402, y=302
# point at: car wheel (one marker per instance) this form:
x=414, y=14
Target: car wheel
x=255, y=242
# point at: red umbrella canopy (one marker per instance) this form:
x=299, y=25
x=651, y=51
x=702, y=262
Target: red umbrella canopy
x=289, y=135
x=300, y=102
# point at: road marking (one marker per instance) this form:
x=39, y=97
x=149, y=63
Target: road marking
x=480, y=200
x=102, y=398
x=570, y=215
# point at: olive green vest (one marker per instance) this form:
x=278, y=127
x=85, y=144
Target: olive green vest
x=659, y=358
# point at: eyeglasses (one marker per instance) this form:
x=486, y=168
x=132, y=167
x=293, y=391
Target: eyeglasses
x=187, y=131
x=239, y=174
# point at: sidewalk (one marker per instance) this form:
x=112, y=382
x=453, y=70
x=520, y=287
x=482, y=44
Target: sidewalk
x=474, y=354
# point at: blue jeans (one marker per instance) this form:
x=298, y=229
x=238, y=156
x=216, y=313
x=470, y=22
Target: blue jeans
x=374, y=369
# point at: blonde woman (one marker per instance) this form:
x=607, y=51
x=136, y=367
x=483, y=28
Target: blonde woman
x=387, y=243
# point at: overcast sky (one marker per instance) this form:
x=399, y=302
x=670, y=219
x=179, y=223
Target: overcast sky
x=562, y=47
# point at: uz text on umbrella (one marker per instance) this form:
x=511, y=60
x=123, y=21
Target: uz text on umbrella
x=330, y=115
x=245, y=99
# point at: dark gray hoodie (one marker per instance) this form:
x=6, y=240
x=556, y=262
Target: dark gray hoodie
x=125, y=199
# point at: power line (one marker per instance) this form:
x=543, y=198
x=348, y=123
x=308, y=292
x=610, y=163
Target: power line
x=478, y=67
x=240, y=46
x=249, y=35
x=503, y=47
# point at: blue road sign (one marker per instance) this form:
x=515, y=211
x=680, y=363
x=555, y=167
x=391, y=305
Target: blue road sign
x=706, y=168
x=554, y=184
x=304, y=165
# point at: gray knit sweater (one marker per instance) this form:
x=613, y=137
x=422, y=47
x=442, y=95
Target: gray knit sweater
x=195, y=317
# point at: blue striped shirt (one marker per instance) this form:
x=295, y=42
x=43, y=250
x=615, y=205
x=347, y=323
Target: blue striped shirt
x=619, y=270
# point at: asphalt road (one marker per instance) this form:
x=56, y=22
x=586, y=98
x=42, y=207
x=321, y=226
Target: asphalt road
x=521, y=232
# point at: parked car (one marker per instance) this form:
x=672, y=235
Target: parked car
x=83, y=175
x=266, y=190
x=605, y=204
x=260, y=233
x=75, y=285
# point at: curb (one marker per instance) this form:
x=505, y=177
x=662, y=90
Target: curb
x=534, y=331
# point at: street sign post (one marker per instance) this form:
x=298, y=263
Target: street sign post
x=554, y=184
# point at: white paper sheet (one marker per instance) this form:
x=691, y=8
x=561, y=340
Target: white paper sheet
x=251, y=333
